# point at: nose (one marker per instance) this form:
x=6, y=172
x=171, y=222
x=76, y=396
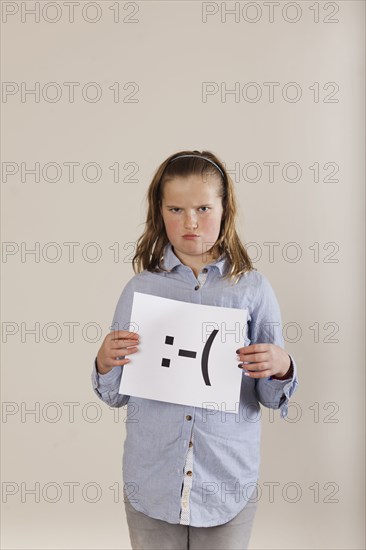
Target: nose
x=190, y=221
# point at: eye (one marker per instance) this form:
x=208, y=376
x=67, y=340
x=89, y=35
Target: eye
x=174, y=210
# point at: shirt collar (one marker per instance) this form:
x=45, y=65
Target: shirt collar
x=170, y=260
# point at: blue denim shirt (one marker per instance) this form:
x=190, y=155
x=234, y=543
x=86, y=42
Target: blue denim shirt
x=185, y=464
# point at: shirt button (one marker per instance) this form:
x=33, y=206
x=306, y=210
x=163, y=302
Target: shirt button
x=189, y=473
x=190, y=444
x=188, y=417
x=197, y=287
x=204, y=270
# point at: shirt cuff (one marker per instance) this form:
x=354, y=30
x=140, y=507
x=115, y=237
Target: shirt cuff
x=287, y=387
x=105, y=382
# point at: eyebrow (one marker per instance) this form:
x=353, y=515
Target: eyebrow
x=175, y=206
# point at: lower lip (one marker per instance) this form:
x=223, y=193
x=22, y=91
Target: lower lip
x=191, y=238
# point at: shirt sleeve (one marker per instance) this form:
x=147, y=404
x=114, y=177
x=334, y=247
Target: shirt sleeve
x=106, y=386
x=266, y=327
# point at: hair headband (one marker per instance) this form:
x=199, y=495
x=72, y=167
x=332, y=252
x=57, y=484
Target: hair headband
x=200, y=157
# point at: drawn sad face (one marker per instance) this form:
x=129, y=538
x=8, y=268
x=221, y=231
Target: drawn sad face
x=193, y=354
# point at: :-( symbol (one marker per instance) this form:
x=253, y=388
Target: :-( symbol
x=193, y=354
x=184, y=352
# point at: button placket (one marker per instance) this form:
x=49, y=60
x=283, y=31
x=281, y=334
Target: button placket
x=187, y=484
x=202, y=278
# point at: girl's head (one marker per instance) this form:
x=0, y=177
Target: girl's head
x=191, y=193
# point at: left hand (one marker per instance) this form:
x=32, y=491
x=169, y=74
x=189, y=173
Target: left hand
x=264, y=360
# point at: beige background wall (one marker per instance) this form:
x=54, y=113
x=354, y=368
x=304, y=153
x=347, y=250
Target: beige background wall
x=161, y=54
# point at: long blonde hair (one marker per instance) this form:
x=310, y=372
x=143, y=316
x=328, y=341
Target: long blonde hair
x=151, y=243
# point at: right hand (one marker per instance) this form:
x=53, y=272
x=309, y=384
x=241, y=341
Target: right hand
x=116, y=344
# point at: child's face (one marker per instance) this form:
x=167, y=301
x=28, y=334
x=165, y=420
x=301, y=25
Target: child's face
x=191, y=205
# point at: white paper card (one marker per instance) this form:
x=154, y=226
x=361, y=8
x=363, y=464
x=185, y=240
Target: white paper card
x=187, y=353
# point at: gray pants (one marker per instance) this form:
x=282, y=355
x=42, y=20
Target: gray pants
x=148, y=533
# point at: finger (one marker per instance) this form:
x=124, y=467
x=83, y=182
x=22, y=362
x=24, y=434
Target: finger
x=253, y=357
x=254, y=348
x=123, y=344
x=115, y=362
x=124, y=338
x=262, y=374
x=255, y=367
x=123, y=352
x=122, y=334
x=119, y=362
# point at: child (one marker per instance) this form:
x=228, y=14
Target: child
x=189, y=473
